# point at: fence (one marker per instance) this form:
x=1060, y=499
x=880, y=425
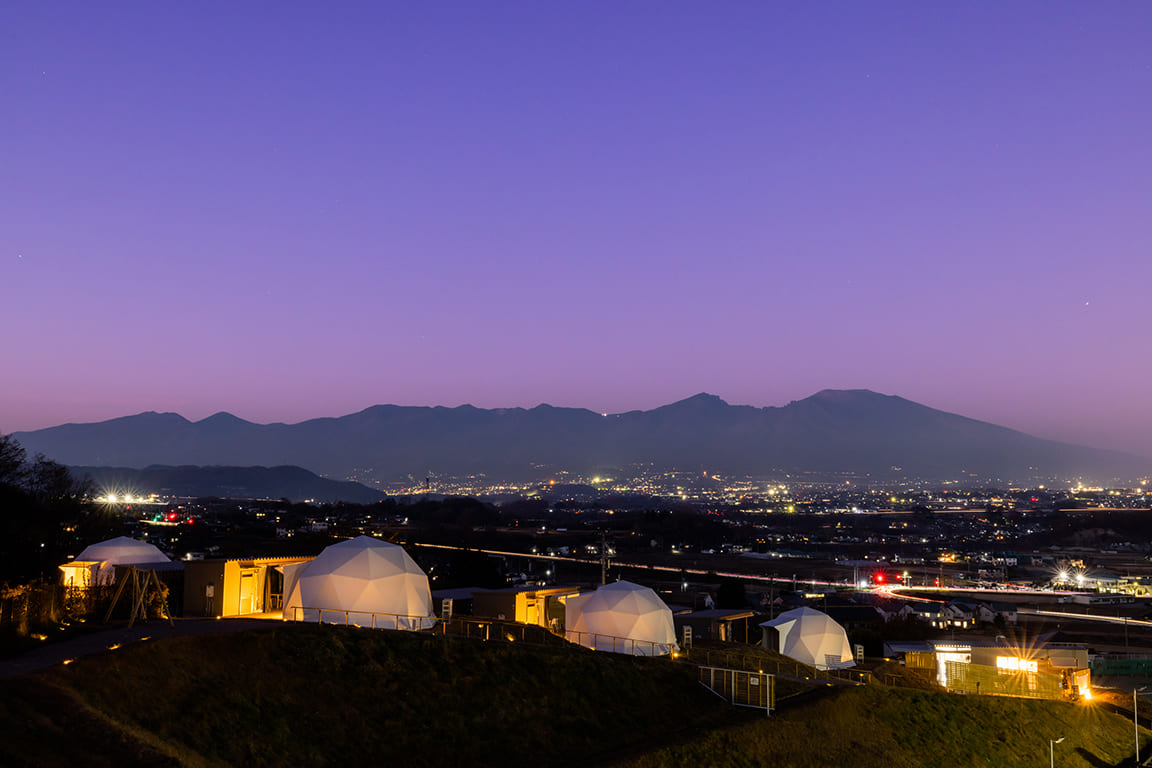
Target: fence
x=31, y=606
x=42, y=605
x=25, y=608
x=368, y=619
x=741, y=688
x=1131, y=665
x=782, y=667
x=625, y=645
x=979, y=678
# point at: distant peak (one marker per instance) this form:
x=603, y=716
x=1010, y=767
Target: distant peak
x=221, y=418
x=702, y=400
x=166, y=416
x=841, y=395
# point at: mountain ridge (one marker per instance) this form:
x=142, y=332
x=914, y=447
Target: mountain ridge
x=832, y=431
x=290, y=482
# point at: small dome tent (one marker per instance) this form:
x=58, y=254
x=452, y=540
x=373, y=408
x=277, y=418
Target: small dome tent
x=810, y=637
x=97, y=563
x=622, y=617
x=362, y=581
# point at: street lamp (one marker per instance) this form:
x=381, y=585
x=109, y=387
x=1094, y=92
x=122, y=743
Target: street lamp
x=1135, y=723
x=1052, y=751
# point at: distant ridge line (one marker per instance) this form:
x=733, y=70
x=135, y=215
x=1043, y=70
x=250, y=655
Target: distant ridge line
x=832, y=431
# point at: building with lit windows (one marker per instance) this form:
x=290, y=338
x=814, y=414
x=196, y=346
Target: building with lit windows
x=1003, y=668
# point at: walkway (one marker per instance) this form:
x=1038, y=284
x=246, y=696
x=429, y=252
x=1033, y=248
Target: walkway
x=52, y=654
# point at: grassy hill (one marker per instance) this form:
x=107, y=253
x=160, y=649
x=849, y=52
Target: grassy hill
x=901, y=728
x=308, y=695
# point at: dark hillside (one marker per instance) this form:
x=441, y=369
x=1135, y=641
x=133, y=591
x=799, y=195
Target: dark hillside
x=313, y=696
x=900, y=728
x=307, y=695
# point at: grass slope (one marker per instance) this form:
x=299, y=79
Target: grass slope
x=307, y=695
x=900, y=728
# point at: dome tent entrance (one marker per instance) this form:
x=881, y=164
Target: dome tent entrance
x=812, y=638
x=622, y=617
x=362, y=581
x=97, y=563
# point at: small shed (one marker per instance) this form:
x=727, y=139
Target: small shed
x=723, y=624
x=543, y=606
x=238, y=587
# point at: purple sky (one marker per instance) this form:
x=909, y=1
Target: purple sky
x=290, y=210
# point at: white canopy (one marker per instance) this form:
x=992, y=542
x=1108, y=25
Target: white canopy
x=812, y=638
x=97, y=563
x=362, y=581
x=621, y=617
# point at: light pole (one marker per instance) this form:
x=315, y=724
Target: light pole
x=1052, y=751
x=1135, y=722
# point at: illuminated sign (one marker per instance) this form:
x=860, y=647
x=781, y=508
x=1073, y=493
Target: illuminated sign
x=1015, y=664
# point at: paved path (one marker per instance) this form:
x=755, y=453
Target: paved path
x=51, y=654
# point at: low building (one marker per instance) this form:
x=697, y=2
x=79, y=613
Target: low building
x=722, y=624
x=239, y=587
x=1002, y=668
x=542, y=606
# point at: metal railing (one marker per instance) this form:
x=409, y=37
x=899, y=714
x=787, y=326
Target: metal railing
x=741, y=688
x=782, y=667
x=480, y=628
x=625, y=645
x=368, y=619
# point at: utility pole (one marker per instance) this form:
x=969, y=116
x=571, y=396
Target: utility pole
x=603, y=557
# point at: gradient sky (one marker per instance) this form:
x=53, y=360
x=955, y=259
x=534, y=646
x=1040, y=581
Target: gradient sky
x=289, y=210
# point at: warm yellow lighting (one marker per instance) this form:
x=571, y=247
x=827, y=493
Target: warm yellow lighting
x=66, y=662
x=114, y=646
x=1015, y=664
x=1086, y=694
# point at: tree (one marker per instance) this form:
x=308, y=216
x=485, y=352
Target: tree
x=12, y=459
x=41, y=508
x=49, y=481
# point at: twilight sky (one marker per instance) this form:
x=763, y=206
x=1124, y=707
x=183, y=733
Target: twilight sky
x=297, y=209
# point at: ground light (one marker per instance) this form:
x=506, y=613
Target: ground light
x=1052, y=751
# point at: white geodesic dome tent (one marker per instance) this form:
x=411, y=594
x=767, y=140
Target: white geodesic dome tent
x=97, y=563
x=812, y=638
x=622, y=617
x=362, y=581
